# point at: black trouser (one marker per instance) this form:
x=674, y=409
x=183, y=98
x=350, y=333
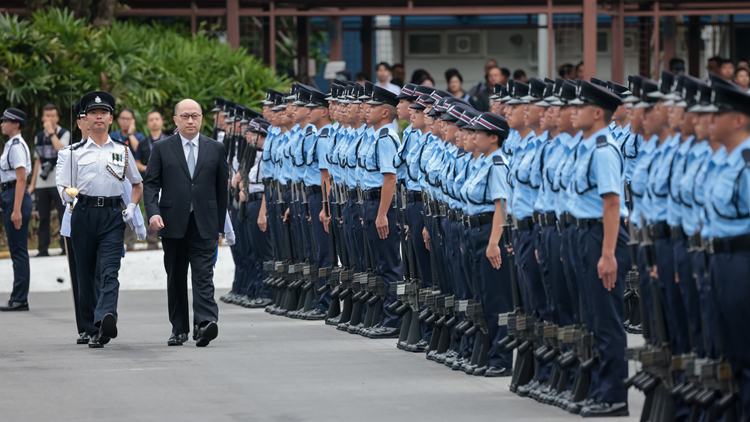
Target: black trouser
x=45, y=199
x=199, y=254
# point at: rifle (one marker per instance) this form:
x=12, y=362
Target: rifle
x=631, y=298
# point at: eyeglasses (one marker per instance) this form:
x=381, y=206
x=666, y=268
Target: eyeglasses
x=187, y=117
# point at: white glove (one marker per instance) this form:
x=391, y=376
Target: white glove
x=230, y=238
x=140, y=232
x=67, y=198
x=129, y=213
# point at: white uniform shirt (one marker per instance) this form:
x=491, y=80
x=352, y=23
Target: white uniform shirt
x=15, y=155
x=90, y=171
x=255, y=175
x=62, y=156
x=186, y=147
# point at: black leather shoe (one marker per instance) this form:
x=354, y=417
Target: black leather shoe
x=419, y=347
x=577, y=406
x=205, y=334
x=261, y=302
x=177, y=339
x=525, y=390
x=107, y=329
x=83, y=338
x=315, y=315
x=15, y=306
x=480, y=371
x=600, y=410
x=95, y=342
x=468, y=368
x=494, y=371
x=458, y=363
x=386, y=332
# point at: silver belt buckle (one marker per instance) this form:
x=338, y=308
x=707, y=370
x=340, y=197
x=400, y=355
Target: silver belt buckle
x=710, y=246
x=99, y=201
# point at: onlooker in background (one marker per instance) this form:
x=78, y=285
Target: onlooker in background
x=421, y=77
x=399, y=74
x=520, y=76
x=743, y=63
x=566, y=71
x=479, y=86
x=360, y=78
x=127, y=132
x=482, y=101
x=455, y=84
x=383, y=74
x=677, y=65
x=47, y=142
x=155, y=123
x=579, y=71
x=742, y=78
x=727, y=70
x=714, y=63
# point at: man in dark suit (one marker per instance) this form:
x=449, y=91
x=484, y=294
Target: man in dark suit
x=190, y=172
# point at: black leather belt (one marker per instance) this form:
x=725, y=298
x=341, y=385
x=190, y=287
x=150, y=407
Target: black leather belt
x=659, y=230
x=413, y=196
x=352, y=193
x=100, y=201
x=284, y=188
x=728, y=244
x=481, y=219
x=256, y=196
x=525, y=224
x=311, y=190
x=372, y=194
x=585, y=223
x=8, y=185
x=677, y=233
x=548, y=219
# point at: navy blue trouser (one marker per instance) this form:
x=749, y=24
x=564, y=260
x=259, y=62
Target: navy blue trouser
x=260, y=248
x=249, y=274
x=730, y=283
x=237, y=255
x=674, y=307
x=322, y=248
x=415, y=221
x=551, y=267
x=574, y=241
x=493, y=290
x=569, y=272
x=387, y=255
x=536, y=298
x=467, y=254
x=18, y=243
x=689, y=290
x=71, y=256
x=98, y=235
x=607, y=311
x=707, y=305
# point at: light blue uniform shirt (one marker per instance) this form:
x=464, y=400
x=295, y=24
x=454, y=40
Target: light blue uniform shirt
x=412, y=156
x=630, y=144
x=429, y=150
x=459, y=177
x=305, y=138
x=728, y=199
x=448, y=175
x=379, y=158
x=315, y=155
x=678, y=166
x=658, y=181
x=350, y=157
x=639, y=181
x=550, y=160
x=410, y=137
x=488, y=183
x=704, y=184
x=689, y=209
x=598, y=170
x=269, y=166
x=284, y=159
x=467, y=174
x=564, y=172
x=524, y=192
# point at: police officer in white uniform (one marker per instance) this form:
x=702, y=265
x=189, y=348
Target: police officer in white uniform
x=96, y=169
x=15, y=167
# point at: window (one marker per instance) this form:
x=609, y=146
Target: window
x=424, y=44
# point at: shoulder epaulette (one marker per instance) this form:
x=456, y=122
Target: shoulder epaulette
x=746, y=157
x=497, y=160
x=461, y=154
x=15, y=141
x=693, y=142
x=324, y=133
x=309, y=130
x=601, y=141
x=384, y=132
x=79, y=144
x=119, y=141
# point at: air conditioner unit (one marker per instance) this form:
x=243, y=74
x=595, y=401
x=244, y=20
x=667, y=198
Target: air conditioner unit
x=463, y=44
x=630, y=42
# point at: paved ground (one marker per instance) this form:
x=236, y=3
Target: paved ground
x=261, y=368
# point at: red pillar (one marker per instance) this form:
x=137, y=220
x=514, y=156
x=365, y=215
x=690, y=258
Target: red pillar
x=589, y=39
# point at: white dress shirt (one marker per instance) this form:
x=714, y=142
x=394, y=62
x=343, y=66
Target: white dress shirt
x=15, y=155
x=88, y=168
x=255, y=176
x=186, y=147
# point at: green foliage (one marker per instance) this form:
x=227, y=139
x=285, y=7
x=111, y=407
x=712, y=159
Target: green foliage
x=144, y=67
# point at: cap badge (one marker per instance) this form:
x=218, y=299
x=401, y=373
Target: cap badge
x=97, y=100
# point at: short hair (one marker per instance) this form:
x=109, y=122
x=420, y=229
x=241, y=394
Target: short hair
x=518, y=74
x=450, y=73
x=741, y=69
x=150, y=112
x=565, y=70
x=488, y=61
x=49, y=107
x=493, y=67
x=726, y=62
x=608, y=115
x=124, y=110
x=505, y=72
x=360, y=77
x=716, y=59
x=384, y=64
x=399, y=65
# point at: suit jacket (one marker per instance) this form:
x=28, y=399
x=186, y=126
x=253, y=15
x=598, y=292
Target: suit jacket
x=168, y=172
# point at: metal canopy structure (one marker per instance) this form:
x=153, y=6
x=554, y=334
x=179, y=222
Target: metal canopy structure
x=268, y=10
